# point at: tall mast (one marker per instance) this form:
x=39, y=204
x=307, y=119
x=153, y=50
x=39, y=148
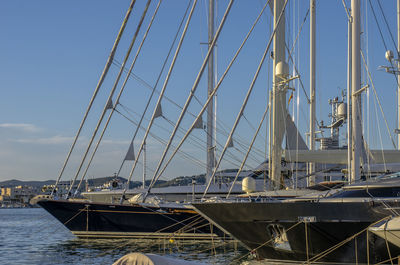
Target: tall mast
x=210, y=108
x=349, y=98
x=398, y=73
x=279, y=97
x=355, y=87
x=311, y=180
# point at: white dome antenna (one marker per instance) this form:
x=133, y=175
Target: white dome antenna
x=389, y=55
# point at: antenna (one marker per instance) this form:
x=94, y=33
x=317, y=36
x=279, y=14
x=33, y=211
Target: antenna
x=389, y=55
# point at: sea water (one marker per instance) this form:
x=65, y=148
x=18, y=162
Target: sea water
x=32, y=236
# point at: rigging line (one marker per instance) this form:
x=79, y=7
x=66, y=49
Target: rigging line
x=387, y=25
x=390, y=209
x=151, y=87
x=255, y=159
x=211, y=94
x=147, y=236
x=301, y=83
x=377, y=98
x=201, y=145
x=383, y=40
x=69, y=220
x=246, y=99
x=100, y=82
x=244, y=146
x=347, y=11
x=300, y=29
x=324, y=253
x=124, y=84
x=257, y=152
x=108, y=100
x=248, y=122
x=135, y=123
x=239, y=161
x=199, y=142
x=380, y=138
x=162, y=91
x=386, y=241
x=197, y=252
x=192, y=226
x=253, y=156
x=195, y=85
x=237, y=138
x=162, y=141
x=293, y=62
x=158, y=78
x=298, y=73
x=223, y=132
x=248, y=151
x=264, y=244
x=240, y=144
x=163, y=128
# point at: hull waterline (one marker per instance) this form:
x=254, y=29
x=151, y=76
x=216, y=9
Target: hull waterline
x=304, y=230
x=87, y=219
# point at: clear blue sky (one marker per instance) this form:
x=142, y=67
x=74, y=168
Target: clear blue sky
x=53, y=52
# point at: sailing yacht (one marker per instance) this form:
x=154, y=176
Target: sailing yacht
x=331, y=227
x=335, y=227
x=142, y=216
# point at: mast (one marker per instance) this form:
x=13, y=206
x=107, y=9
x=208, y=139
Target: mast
x=210, y=108
x=398, y=73
x=355, y=87
x=279, y=97
x=311, y=180
x=349, y=98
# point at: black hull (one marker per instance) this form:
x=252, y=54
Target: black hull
x=309, y=228
x=129, y=221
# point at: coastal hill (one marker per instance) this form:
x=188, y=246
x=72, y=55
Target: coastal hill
x=178, y=181
x=100, y=181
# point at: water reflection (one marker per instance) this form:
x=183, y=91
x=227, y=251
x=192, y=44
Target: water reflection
x=33, y=236
x=106, y=251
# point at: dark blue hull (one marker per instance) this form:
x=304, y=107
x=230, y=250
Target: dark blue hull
x=129, y=221
x=304, y=231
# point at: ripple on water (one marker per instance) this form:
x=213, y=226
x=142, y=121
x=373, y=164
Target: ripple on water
x=32, y=236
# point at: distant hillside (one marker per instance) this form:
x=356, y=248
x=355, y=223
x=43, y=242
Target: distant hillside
x=182, y=181
x=178, y=181
x=92, y=182
x=101, y=181
x=14, y=182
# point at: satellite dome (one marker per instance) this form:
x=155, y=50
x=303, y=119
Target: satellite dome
x=389, y=55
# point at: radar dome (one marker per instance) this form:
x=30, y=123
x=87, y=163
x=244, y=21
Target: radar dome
x=282, y=69
x=389, y=55
x=248, y=185
x=342, y=110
